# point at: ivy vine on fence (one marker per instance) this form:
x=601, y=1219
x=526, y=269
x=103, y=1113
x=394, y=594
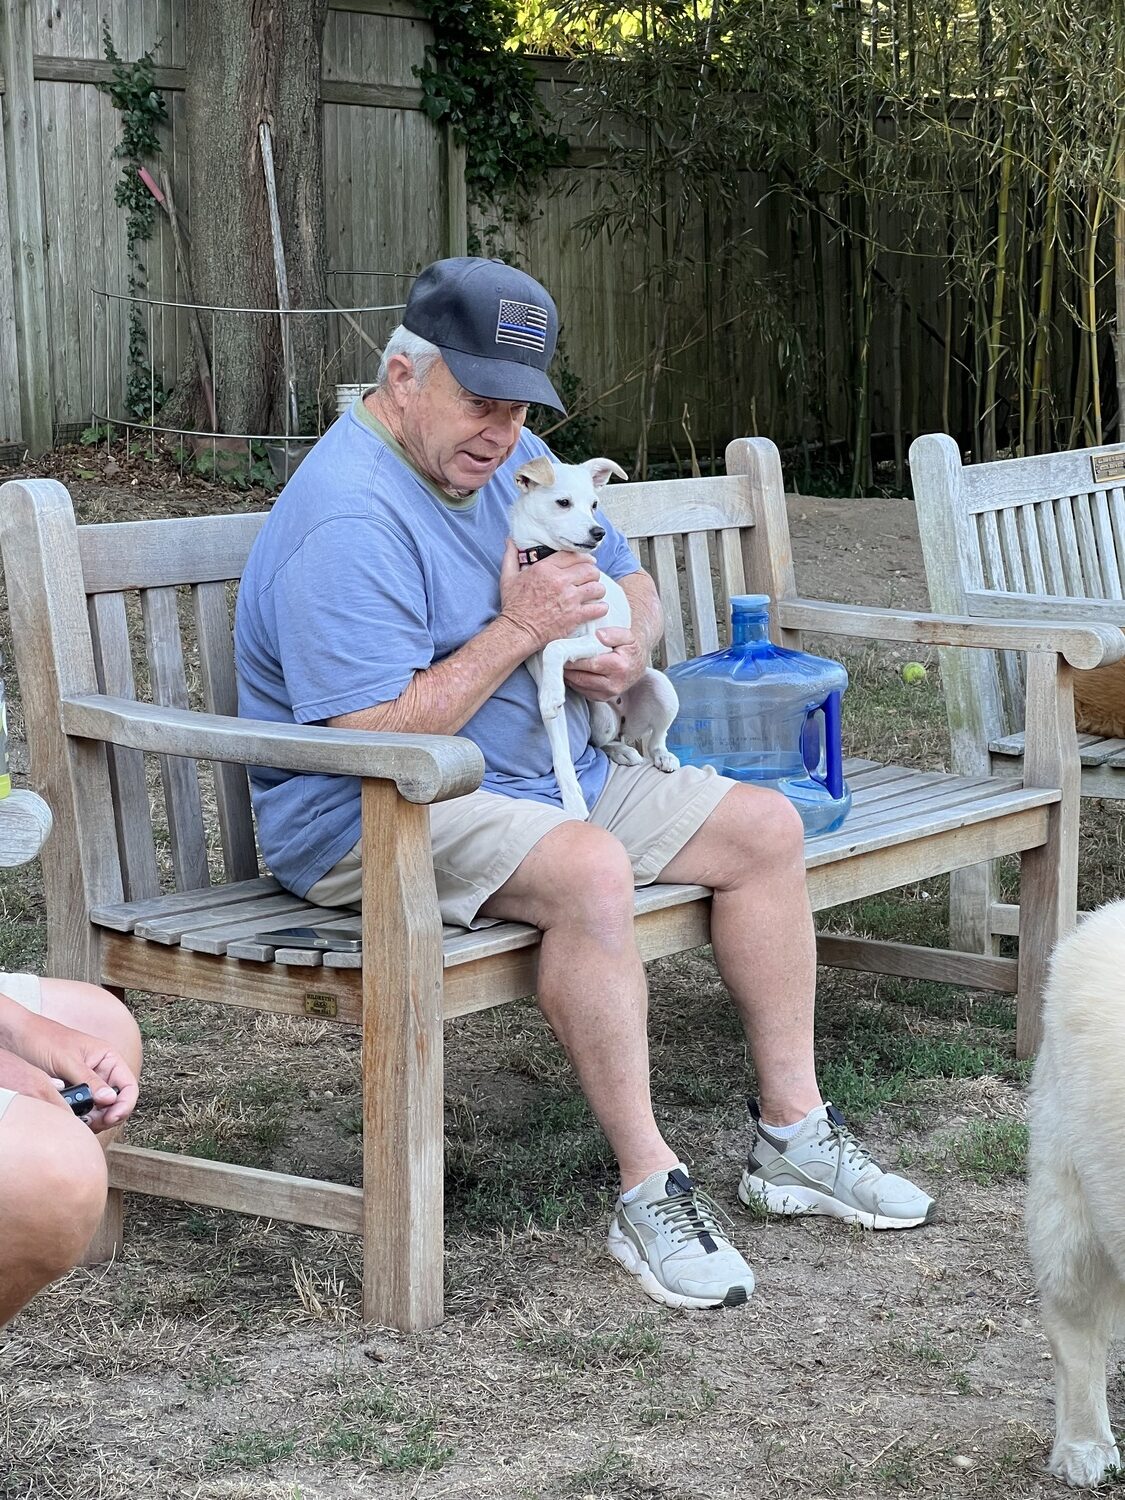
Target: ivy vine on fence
x=486, y=94
x=133, y=93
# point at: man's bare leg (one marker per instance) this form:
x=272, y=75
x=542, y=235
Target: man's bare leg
x=576, y=886
x=750, y=852
x=803, y=1158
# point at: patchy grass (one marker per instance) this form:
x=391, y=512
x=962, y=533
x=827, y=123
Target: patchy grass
x=984, y=1151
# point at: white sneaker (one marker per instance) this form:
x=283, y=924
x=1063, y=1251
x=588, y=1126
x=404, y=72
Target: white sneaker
x=669, y=1236
x=825, y=1170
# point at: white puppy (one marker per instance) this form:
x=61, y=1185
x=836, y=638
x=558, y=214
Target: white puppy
x=556, y=510
x=1076, y=1185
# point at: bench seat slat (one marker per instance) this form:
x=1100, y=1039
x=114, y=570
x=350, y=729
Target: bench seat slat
x=905, y=827
x=942, y=793
x=284, y=907
x=123, y=916
x=216, y=937
x=1093, y=749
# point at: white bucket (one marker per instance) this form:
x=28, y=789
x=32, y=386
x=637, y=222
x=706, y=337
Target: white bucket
x=346, y=395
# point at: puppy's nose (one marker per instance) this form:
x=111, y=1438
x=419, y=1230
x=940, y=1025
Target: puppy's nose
x=596, y=533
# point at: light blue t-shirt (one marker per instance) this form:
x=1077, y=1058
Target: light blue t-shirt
x=362, y=575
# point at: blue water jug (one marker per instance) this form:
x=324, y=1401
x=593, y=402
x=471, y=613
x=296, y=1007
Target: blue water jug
x=758, y=712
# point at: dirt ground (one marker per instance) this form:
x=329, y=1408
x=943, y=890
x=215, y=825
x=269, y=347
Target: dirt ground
x=223, y=1356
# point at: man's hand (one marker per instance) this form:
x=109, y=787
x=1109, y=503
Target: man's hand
x=551, y=599
x=603, y=678
x=61, y=1052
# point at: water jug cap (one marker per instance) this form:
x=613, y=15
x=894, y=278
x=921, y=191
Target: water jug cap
x=756, y=604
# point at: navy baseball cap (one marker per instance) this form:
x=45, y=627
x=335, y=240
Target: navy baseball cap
x=496, y=327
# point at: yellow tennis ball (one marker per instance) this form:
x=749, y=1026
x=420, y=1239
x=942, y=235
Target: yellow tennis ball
x=913, y=672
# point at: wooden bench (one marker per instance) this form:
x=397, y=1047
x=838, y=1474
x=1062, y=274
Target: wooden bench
x=123, y=649
x=1039, y=538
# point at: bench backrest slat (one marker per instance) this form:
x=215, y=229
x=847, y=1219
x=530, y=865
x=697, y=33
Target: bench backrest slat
x=1107, y=546
x=123, y=555
x=732, y=566
x=213, y=633
x=665, y=572
x=1032, y=550
x=180, y=776
x=132, y=810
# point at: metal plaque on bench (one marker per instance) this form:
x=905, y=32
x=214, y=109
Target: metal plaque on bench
x=1108, y=466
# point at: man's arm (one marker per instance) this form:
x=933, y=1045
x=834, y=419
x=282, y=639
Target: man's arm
x=604, y=677
x=537, y=605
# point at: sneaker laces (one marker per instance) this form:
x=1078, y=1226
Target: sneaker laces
x=851, y=1150
x=690, y=1213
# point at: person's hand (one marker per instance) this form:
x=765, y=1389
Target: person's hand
x=603, y=678
x=62, y=1052
x=549, y=600
x=23, y=1077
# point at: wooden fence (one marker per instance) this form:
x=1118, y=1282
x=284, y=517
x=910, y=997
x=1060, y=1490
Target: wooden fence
x=394, y=199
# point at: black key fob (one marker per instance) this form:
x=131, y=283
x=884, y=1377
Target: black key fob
x=80, y=1097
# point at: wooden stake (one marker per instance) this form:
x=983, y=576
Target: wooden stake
x=266, y=142
x=168, y=203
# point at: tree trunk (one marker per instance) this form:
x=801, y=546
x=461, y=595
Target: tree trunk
x=250, y=64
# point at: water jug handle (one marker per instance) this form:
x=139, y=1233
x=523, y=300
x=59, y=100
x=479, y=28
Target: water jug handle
x=833, y=778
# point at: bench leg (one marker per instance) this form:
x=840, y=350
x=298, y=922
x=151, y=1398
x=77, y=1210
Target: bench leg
x=1049, y=874
x=972, y=892
x=109, y=1237
x=403, y=1106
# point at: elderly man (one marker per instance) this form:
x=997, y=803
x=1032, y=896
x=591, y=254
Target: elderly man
x=383, y=593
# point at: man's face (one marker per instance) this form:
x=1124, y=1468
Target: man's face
x=457, y=439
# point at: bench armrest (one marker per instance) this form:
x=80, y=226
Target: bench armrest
x=1082, y=645
x=424, y=767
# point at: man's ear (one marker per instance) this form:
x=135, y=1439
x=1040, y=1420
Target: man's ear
x=601, y=468
x=400, y=376
x=536, y=472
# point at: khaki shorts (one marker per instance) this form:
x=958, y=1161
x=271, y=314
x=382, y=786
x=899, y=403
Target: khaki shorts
x=26, y=989
x=480, y=840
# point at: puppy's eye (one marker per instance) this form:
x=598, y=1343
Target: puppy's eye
x=563, y=503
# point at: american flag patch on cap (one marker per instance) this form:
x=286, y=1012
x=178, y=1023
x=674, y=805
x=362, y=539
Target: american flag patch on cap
x=523, y=324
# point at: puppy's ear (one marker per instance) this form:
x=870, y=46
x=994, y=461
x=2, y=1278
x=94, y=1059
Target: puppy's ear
x=534, y=473
x=601, y=468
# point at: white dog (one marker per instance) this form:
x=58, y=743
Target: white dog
x=556, y=510
x=1076, y=1185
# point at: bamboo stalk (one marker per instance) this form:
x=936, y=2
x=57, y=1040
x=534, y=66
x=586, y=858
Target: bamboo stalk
x=1119, y=284
x=996, y=324
x=1119, y=220
x=1091, y=289
x=1046, y=297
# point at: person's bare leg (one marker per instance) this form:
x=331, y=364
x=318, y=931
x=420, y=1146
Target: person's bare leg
x=576, y=885
x=88, y=1008
x=52, y=1192
x=750, y=852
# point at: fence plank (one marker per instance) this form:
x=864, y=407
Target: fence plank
x=27, y=229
